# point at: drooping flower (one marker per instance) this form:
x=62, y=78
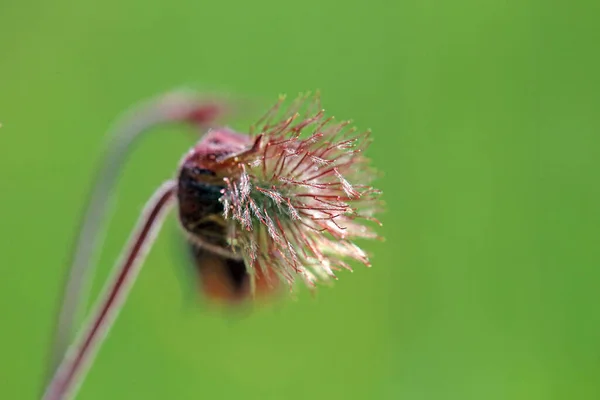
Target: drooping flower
x=287, y=201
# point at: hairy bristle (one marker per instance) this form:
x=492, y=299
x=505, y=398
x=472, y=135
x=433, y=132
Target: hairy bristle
x=298, y=197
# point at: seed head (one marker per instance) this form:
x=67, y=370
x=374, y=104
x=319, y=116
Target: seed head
x=298, y=196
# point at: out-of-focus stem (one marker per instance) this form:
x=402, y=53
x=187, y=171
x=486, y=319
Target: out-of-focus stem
x=180, y=106
x=71, y=370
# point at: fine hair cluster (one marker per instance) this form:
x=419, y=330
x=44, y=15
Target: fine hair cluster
x=297, y=198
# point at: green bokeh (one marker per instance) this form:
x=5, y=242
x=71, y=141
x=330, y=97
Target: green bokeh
x=486, y=123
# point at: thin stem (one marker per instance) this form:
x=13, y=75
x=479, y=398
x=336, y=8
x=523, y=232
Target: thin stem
x=180, y=106
x=73, y=366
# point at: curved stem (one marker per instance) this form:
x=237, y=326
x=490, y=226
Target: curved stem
x=180, y=106
x=73, y=366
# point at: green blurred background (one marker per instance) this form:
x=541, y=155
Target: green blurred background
x=486, y=123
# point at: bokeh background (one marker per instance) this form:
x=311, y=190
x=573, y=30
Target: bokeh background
x=486, y=123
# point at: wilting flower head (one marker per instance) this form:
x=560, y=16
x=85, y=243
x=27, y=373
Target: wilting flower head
x=297, y=196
